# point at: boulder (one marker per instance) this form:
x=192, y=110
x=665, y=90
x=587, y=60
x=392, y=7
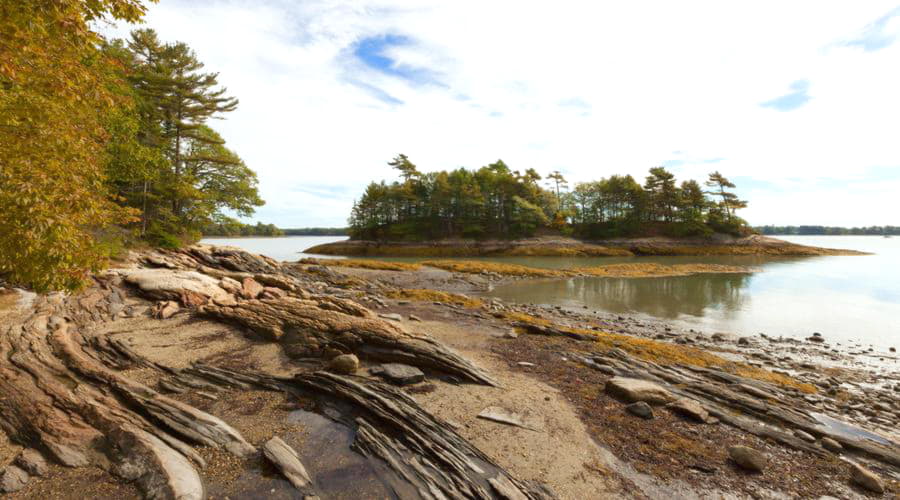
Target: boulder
x=12, y=479
x=747, y=458
x=633, y=390
x=640, y=409
x=345, y=364
x=169, y=284
x=250, y=288
x=398, y=373
x=690, y=409
x=32, y=462
x=866, y=479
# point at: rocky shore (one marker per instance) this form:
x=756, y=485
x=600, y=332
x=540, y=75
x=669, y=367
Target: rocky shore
x=558, y=246
x=214, y=372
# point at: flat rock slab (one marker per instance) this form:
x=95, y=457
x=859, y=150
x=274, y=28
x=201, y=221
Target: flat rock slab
x=391, y=316
x=288, y=462
x=504, y=416
x=689, y=409
x=398, y=373
x=633, y=390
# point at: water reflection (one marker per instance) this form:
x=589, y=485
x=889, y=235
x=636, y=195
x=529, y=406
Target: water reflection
x=660, y=297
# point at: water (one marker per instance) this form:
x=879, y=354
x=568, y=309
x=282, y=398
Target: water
x=849, y=299
x=281, y=248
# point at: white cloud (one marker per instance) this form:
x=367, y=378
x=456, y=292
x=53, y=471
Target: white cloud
x=655, y=78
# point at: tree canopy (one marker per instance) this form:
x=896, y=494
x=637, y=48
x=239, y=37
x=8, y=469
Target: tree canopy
x=101, y=140
x=497, y=202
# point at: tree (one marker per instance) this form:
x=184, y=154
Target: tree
x=54, y=100
x=663, y=194
x=558, y=181
x=730, y=202
x=407, y=168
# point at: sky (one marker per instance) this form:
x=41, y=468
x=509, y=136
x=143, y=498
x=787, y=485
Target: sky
x=796, y=102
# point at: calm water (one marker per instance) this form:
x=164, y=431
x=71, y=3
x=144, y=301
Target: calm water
x=847, y=299
x=282, y=248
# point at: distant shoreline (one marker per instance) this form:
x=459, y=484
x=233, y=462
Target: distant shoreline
x=570, y=247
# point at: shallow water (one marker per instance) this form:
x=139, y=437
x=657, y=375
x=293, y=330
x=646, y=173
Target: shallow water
x=849, y=299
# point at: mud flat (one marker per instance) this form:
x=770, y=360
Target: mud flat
x=569, y=247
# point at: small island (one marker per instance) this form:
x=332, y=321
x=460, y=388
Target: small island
x=496, y=211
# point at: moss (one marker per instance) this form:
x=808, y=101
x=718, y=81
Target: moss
x=478, y=266
x=364, y=264
x=665, y=353
x=423, y=295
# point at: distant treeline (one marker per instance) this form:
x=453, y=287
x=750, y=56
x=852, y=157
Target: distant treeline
x=497, y=202
x=828, y=230
x=228, y=227
x=316, y=231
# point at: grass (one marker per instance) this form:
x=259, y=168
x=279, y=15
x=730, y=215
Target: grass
x=365, y=264
x=478, y=266
x=665, y=353
x=649, y=270
x=423, y=295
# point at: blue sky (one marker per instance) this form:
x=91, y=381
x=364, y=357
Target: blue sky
x=797, y=101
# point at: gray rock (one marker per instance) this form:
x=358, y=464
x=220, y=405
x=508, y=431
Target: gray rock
x=413, y=317
x=865, y=478
x=32, y=462
x=640, y=409
x=633, y=390
x=690, y=409
x=805, y=436
x=345, y=364
x=504, y=416
x=391, y=316
x=399, y=374
x=747, y=458
x=13, y=479
x=525, y=364
x=831, y=445
x=744, y=341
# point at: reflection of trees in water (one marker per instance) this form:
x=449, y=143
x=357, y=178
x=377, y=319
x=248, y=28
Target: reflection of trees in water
x=661, y=297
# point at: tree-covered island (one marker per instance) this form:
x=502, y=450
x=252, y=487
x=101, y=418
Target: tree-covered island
x=496, y=202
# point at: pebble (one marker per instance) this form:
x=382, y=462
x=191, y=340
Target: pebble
x=640, y=409
x=345, y=364
x=805, y=436
x=831, y=445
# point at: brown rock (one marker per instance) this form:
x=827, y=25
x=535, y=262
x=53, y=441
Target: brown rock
x=831, y=445
x=345, y=364
x=190, y=298
x=225, y=300
x=690, y=409
x=12, y=479
x=250, y=288
x=748, y=458
x=865, y=478
x=633, y=390
x=165, y=309
x=271, y=292
x=32, y=462
x=230, y=285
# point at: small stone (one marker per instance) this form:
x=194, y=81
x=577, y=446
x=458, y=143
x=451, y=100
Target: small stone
x=271, y=292
x=805, y=436
x=831, y=445
x=640, y=409
x=816, y=338
x=250, y=288
x=345, y=364
x=744, y=341
x=32, y=462
x=690, y=409
x=511, y=334
x=893, y=349
x=747, y=458
x=13, y=479
x=525, y=364
x=413, y=317
x=227, y=300
x=391, y=316
x=166, y=309
x=865, y=478
x=398, y=373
